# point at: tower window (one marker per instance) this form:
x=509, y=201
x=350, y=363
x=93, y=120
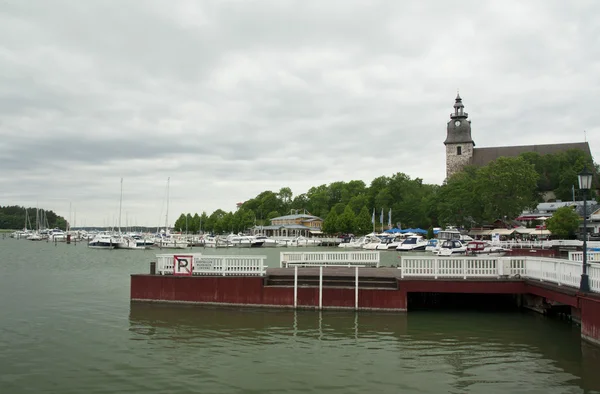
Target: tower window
x=458, y=150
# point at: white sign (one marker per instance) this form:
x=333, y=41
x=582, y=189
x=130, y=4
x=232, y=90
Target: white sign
x=183, y=265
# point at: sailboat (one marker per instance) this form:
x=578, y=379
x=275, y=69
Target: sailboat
x=125, y=241
x=164, y=238
x=36, y=235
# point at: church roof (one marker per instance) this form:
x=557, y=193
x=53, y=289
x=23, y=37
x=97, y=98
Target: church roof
x=483, y=156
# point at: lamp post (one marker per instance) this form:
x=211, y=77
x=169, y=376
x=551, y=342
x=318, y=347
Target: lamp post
x=585, y=183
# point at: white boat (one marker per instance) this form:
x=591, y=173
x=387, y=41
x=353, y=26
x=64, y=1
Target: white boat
x=57, y=235
x=412, y=244
x=166, y=241
x=244, y=241
x=103, y=240
x=452, y=247
x=483, y=248
x=433, y=245
x=372, y=242
x=303, y=241
x=388, y=243
x=354, y=243
x=216, y=242
x=266, y=241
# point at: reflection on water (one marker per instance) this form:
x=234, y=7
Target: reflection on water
x=431, y=352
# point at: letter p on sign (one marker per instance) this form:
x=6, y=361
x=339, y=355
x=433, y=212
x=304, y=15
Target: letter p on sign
x=183, y=265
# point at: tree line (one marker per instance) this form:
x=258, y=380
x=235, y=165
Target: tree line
x=473, y=197
x=14, y=218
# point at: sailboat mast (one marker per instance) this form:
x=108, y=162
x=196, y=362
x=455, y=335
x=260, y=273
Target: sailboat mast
x=167, y=214
x=120, y=205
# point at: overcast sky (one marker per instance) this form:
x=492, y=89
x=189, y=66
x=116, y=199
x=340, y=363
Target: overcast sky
x=231, y=98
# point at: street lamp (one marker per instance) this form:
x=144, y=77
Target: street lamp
x=585, y=183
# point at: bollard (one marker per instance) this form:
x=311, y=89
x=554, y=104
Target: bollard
x=153, y=268
x=68, y=238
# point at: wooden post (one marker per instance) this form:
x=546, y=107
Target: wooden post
x=356, y=289
x=295, y=287
x=320, y=287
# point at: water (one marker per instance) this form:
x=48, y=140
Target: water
x=67, y=326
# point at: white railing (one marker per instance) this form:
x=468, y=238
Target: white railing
x=455, y=267
x=561, y=272
x=558, y=271
x=212, y=265
x=578, y=256
x=328, y=259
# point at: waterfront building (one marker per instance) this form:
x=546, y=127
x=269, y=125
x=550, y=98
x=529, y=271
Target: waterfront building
x=292, y=226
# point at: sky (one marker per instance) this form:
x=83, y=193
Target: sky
x=231, y=98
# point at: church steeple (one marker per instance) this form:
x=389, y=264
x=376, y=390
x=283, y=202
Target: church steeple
x=459, y=144
x=459, y=128
x=459, y=109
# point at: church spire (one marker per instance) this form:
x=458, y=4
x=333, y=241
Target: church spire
x=459, y=108
x=459, y=128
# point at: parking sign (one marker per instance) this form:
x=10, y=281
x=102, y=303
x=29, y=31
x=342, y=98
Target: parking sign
x=183, y=265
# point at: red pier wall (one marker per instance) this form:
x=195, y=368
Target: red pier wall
x=590, y=319
x=249, y=291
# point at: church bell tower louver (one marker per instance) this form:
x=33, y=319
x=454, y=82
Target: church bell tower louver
x=459, y=144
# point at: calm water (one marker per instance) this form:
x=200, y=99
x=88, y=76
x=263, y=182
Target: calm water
x=67, y=326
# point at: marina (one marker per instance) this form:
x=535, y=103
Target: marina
x=353, y=280
x=75, y=330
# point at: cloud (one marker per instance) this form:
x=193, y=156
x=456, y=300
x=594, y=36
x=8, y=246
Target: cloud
x=230, y=98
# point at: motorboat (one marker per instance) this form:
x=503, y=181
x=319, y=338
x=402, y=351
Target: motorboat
x=452, y=247
x=483, y=248
x=412, y=244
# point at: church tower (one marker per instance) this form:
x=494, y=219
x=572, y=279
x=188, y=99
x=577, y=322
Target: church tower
x=459, y=144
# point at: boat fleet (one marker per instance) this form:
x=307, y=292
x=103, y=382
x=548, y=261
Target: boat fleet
x=449, y=242
x=163, y=239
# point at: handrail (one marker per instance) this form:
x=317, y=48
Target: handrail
x=558, y=271
x=229, y=265
x=349, y=258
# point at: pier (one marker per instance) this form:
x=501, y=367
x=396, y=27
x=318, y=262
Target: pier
x=340, y=280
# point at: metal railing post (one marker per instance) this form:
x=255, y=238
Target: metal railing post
x=356, y=290
x=295, y=287
x=320, y=287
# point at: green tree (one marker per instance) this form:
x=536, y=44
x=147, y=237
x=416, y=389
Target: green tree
x=345, y=222
x=507, y=186
x=457, y=202
x=362, y=222
x=330, y=222
x=180, y=223
x=285, y=196
x=195, y=225
x=563, y=223
x=430, y=234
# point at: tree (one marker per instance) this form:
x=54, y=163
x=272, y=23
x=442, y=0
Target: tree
x=507, y=186
x=285, y=196
x=457, y=202
x=362, y=222
x=330, y=222
x=563, y=223
x=345, y=222
x=180, y=223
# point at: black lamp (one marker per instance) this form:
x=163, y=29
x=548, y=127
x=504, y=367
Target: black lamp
x=585, y=183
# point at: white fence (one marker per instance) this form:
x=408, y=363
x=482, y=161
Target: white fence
x=328, y=259
x=166, y=264
x=461, y=267
x=578, y=256
x=558, y=271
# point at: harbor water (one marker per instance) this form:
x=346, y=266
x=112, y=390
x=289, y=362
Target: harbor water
x=67, y=326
